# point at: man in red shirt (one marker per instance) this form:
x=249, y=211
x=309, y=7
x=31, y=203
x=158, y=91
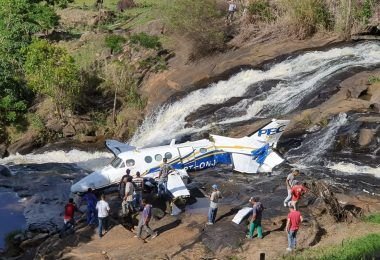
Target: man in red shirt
x=68, y=217
x=297, y=191
x=292, y=226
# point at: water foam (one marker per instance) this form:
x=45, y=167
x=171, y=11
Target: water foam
x=299, y=77
x=86, y=160
x=351, y=168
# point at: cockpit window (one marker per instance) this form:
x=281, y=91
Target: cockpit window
x=168, y=155
x=116, y=162
x=203, y=150
x=158, y=157
x=130, y=162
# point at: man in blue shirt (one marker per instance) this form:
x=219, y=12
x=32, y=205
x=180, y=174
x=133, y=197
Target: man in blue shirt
x=91, y=201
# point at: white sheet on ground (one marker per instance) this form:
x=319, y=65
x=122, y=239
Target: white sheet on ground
x=176, y=185
x=241, y=214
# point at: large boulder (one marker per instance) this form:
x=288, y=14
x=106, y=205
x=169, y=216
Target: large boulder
x=366, y=136
x=25, y=145
x=3, y=150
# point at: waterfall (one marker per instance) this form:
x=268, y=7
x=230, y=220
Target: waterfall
x=297, y=78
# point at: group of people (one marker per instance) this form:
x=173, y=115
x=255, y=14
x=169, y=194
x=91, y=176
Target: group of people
x=294, y=218
x=97, y=213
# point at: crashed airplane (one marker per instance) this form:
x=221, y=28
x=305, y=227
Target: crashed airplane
x=249, y=154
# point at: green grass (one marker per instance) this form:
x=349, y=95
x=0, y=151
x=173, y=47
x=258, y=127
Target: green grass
x=359, y=248
x=373, y=218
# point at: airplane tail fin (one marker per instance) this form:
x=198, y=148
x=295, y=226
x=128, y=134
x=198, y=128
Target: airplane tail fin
x=270, y=133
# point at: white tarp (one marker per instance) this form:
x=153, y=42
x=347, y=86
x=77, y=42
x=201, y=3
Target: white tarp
x=241, y=214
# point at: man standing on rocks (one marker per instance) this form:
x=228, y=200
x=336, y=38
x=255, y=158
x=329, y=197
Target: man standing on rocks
x=214, y=199
x=145, y=217
x=138, y=182
x=91, y=201
x=122, y=183
x=256, y=218
x=103, y=212
x=298, y=190
x=126, y=205
x=289, y=185
x=163, y=178
x=68, y=217
x=292, y=226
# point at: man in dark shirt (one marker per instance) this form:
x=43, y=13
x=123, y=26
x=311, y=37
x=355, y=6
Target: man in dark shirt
x=122, y=183
x=91, y=201
x=138, y=182
x=257, y=212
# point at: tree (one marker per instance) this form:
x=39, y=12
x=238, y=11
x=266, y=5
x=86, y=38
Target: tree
x=51, y=71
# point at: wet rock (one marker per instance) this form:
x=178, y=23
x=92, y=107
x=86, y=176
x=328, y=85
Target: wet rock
x=25, y=145
x=4, y=171
x=35, y=241
x=365, y=136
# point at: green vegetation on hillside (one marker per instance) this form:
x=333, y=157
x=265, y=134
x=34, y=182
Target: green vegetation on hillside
x=373, y=218
x=360, y=248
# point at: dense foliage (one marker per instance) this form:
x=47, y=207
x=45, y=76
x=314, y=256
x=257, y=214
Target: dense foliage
x=51, y=71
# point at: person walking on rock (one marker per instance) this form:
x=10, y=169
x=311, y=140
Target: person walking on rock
x=126, y=205
x=298, y=190
x=214, y=199
x=91, y=201
x=231, y=10
x=145, y=216
x=289, y=184
x=255, y=221
x=103, y=211
x=292, y=226
x=68, y=217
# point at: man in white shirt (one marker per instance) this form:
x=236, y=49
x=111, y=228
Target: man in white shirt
x=214, y=199
x=103, y=211
x=231, y=11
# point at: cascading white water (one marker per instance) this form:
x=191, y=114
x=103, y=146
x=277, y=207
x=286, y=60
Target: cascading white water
x=313, y=148
x=85, y=160
x=299, y=77
x=350, y=168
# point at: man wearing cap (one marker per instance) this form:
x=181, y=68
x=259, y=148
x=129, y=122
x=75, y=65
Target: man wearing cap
x=214, y=199
x=289, y=184
x=292, y=225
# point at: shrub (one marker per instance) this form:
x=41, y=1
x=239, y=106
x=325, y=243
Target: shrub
x=307, y=16
x=373, y=79
x=115, y=43
x=365, y=11
x=261, y=10
x=201, y=21
x=145, y=40
x=373, y=218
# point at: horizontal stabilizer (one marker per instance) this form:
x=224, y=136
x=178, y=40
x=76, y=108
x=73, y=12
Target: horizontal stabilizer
x=176, y=186
x=117, y=147
x=247, y=164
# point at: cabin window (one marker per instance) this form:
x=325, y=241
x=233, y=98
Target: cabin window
x=148, y=159
x=130, y=162
x=168, y=155
x=116, y=162
x=158, y=157
x=203, y=150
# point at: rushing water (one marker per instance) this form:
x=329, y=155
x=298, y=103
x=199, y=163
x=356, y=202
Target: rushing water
x=297, y=79
x=11, y=214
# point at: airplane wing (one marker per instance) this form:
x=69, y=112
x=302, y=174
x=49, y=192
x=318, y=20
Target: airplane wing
x=117, y=147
